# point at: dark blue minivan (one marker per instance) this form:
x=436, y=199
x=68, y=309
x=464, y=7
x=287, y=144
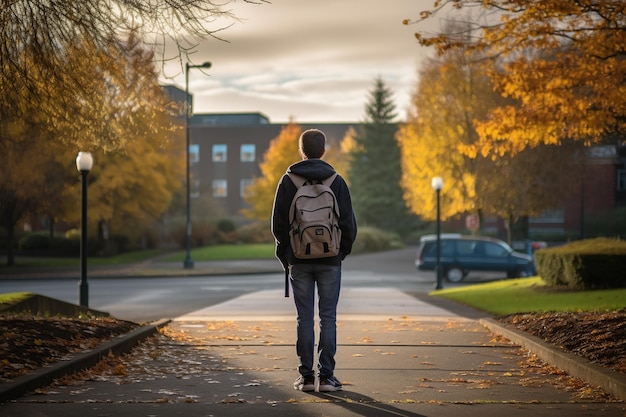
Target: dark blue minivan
x=462, y=254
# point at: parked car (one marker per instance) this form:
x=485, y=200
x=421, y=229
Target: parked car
x=462, y=254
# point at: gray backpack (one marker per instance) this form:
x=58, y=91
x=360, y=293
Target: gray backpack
x=314, y=219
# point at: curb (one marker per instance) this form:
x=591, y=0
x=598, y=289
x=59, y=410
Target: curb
x=135, y=274
x=45, y=376
x=612, y=382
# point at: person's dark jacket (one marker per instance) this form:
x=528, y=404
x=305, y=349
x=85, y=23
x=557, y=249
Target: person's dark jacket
x=311, y=169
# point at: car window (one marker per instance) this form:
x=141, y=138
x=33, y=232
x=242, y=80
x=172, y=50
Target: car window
x=479, y=249
x=493, y=249
x=447, y=247
x=429, y=249
x=465, y=247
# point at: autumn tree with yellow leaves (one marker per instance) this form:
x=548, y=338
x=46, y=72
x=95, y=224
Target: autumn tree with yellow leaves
x=134, y=183
x=453, y=94
x=282, y=152
x=563, y=61
x=131, y=186
x=450, y=95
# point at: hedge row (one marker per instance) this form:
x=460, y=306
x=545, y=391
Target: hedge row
x=585, y=264
x=44, y=245
x=371, y=239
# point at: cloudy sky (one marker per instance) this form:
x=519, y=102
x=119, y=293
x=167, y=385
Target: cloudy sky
x=313, y=61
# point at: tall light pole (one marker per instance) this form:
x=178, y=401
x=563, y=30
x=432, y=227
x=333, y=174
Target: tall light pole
x=84, y=163
x=437, y=184
x=188, y=262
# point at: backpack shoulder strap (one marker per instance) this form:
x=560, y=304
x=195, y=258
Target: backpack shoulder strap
x=297, y=180
x=328, y=181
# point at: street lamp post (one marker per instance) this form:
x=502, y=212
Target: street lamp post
x=84, y=163
x=188, y=262
x=437, y=184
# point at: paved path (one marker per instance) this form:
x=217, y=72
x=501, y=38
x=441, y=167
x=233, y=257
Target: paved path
x=397, y=356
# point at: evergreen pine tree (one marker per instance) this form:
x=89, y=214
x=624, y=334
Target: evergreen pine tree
x=375, y=169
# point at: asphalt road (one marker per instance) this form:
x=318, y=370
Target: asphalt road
x=148, y=299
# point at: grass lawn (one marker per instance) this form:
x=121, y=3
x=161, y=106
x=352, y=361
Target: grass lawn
x=227, y=252
x=531, y=295
x=12, y=298
x=126, y=258
x=208, y=253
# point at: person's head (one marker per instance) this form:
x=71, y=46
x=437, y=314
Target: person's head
x=312, y=144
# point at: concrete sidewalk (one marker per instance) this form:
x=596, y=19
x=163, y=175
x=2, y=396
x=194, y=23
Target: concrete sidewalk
x=397, y=356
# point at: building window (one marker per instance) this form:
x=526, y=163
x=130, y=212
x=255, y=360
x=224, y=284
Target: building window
x=220, y=188
x=194, y=154
x=621, y=180
x=248, y=153
x=219, y=153
x=244, y=183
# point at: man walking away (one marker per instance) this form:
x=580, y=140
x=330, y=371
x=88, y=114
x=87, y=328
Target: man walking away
x=307, y=272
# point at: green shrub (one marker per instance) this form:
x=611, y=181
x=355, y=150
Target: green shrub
x=585, y=264
x=371, y=239
x=65, y=246
x=226, y=232
x=226, y=226
x=34, y=242
x=43, y=244
x=73, y=234
x=257, y=232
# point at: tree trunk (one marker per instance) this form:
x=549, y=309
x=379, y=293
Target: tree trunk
x=10, y=243
x=8, y=217
x=508, y=222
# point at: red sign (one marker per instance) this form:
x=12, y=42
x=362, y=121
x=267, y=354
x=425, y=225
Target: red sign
x=472, y=222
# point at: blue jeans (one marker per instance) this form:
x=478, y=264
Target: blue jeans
x=304, y=278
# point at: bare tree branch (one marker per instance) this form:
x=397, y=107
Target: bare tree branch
x=36, y=36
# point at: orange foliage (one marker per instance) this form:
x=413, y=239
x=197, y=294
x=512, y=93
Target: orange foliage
x=562, y=61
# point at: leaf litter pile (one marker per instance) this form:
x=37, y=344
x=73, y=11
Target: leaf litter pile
x=29, y=343
x=599, y=337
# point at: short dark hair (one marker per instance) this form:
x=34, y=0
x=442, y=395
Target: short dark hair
x=312, y=143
